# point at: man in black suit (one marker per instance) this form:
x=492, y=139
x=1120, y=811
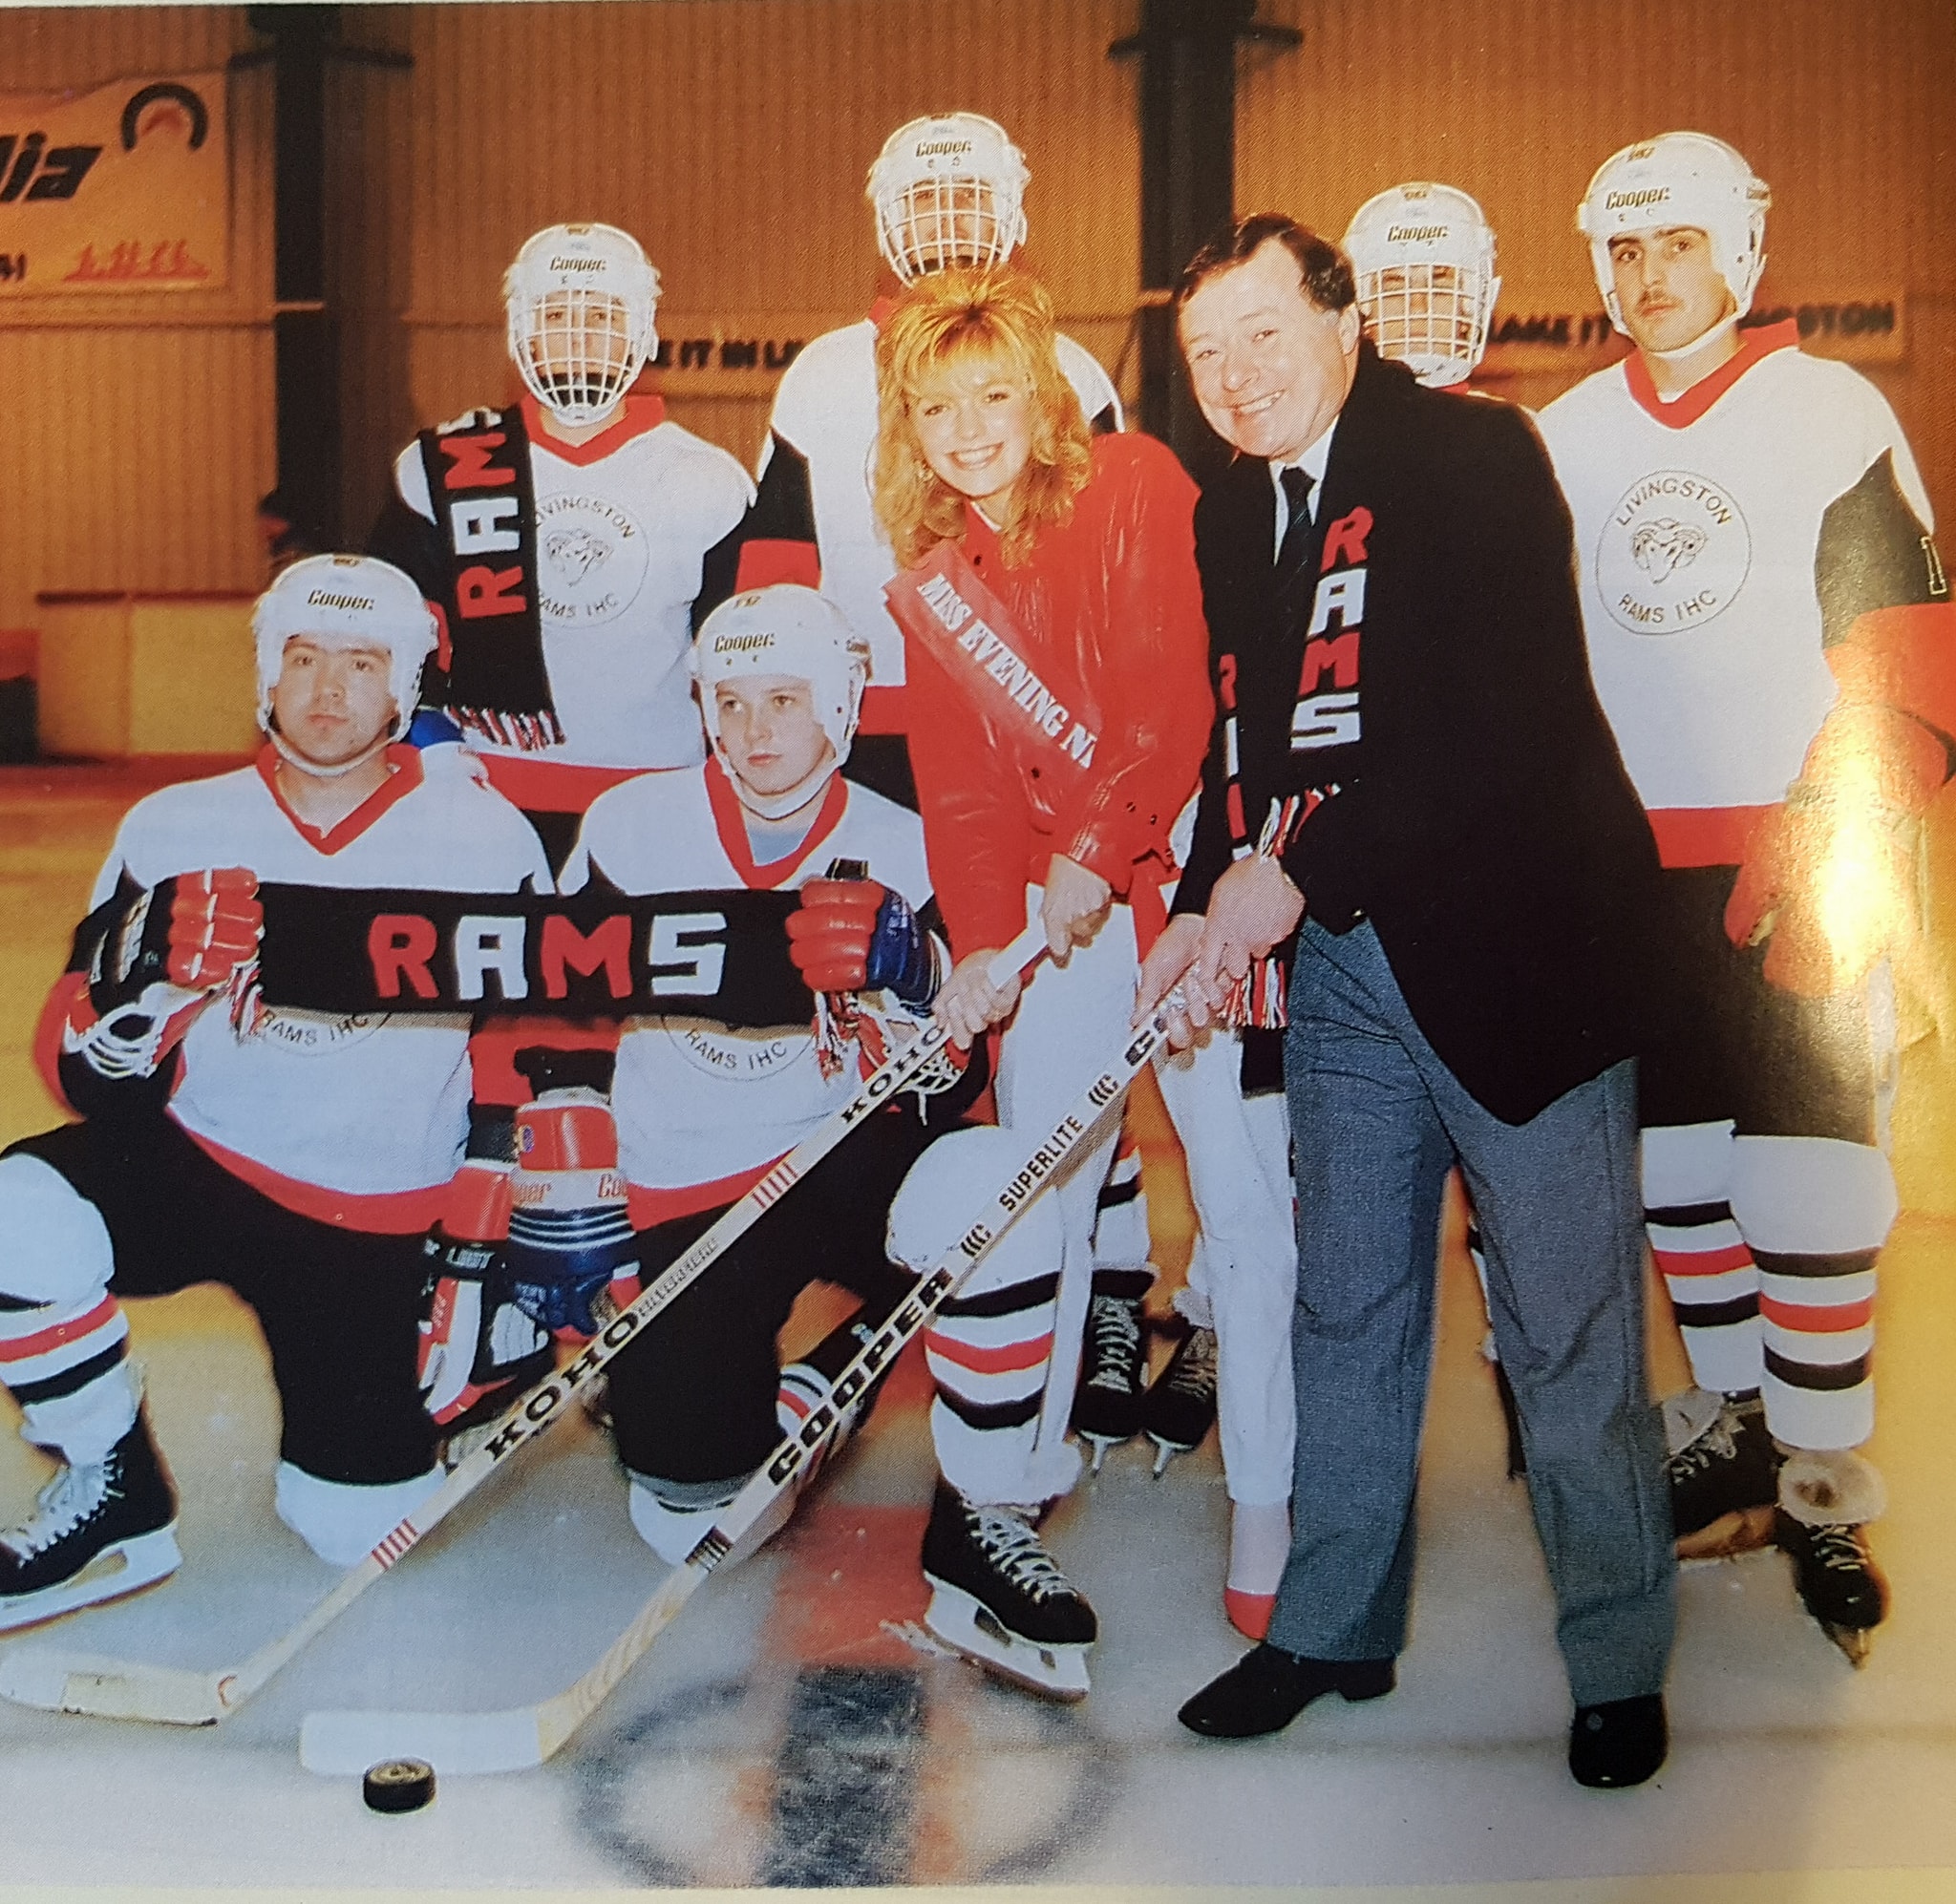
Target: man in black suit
x=1402, y=689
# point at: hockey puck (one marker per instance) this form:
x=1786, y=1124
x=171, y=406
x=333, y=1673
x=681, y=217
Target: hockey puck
x=398, y=1785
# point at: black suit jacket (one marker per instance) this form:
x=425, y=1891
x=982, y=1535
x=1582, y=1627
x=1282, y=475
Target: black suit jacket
x=1483, y=821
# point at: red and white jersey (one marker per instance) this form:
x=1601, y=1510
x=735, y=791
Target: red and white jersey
x=1698, y=531
x=825, y=412
x=623, y=524
x=357, y=1119
x=703, y=1108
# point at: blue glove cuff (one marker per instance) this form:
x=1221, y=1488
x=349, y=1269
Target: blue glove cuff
x=902, y=958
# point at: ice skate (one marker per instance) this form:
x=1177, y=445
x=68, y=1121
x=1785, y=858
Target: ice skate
x=997, y=1597
x=1826, y=1497
x=1179, y=1408
x=1108, y=1402
x=1724, y=1481
x=100, y=1529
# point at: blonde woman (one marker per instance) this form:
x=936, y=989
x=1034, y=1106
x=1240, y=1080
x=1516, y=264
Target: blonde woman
x=1058, y=668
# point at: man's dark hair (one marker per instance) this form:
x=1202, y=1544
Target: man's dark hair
x=1326, y=271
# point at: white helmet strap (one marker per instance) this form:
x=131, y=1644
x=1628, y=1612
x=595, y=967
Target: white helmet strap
x=293, y=758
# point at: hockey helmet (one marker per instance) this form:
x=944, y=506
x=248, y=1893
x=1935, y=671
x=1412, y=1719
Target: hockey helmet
x=944, y=1193
x=1678, y=178
x=1423, y=259
x=948, y=190
x=582, y=299
x=790, y=630
x=346, y=601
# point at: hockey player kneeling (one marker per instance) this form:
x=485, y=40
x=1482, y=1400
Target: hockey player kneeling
x=297, y=1156
x=704, y=1110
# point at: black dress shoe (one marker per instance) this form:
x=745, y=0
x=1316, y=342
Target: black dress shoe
x=1619, y=1743
x=1267, y=1689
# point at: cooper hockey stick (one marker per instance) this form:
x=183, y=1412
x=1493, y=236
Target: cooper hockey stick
x=524, y=1736
x=109, y=1689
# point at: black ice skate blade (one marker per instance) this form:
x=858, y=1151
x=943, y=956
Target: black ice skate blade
x=1102, y=1445
x=116, y=1572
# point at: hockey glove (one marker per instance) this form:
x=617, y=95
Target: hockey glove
x=477, y=1346
x=855, y=935
x=1829, y=878
x=572, y=1247
x=214, y=925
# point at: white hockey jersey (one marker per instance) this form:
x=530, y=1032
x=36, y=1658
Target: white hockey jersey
x=825, y=411
x=1697, y=530
x=623, y=522
x=699, y=1103
x=357, y=1119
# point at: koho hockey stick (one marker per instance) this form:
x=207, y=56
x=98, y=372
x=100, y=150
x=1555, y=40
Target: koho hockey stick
x=525, y=1736
x=99, y=1687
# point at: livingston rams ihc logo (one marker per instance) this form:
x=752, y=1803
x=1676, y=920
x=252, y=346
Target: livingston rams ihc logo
x=593, y=559
x=1672, y=555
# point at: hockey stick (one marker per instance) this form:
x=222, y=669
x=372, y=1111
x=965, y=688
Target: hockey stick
x=527, y=1735
x=108, y=1688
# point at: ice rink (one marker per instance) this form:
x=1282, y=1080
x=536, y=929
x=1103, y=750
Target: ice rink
x=792, y=1728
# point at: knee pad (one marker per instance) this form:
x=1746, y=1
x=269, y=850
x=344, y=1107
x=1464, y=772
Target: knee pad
x=949, y=1189
x=671, y=1518
x=342, y=1521
x=1812, y=1195
x=1686, y=1163
x=53, y=1241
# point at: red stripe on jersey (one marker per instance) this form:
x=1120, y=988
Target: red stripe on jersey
x=1703, y=1262
x=386, y=1212
x=1704, y=835
x=1006, y=1361
x=647, y=1204
x=640, y=414
x=771, y=558
x=1818, y=1319
x=1708, y=390
x=730, y=823
x=23, y=1348
x=405, y=776
x=885, y=710
x=551, y=785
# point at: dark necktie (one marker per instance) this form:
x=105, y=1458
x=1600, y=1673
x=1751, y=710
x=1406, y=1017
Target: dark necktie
x=1297, y=489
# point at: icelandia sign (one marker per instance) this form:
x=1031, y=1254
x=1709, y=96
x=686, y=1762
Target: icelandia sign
x=124, y=188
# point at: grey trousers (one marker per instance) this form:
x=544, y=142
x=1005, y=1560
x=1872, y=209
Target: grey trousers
x=1377, y=1122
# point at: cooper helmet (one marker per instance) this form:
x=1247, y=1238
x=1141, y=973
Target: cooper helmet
x=1678, y=178
x=581, y=300
x=948, y=190
x=789, y=630
x=1423, y=258
x=344, y=601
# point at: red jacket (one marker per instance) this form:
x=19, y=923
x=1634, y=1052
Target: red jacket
x=1111, y=603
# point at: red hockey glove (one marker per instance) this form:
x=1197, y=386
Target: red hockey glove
x=214, y=925
x=477, y=1346
x=855, y=935
x=1829, y=878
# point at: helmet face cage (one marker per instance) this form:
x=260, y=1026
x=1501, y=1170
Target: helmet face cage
x=1679, y=179
x=947, y=192
x=1423, y=257
x=582, y=301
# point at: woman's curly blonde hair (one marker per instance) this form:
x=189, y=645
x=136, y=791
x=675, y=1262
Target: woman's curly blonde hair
x=947, y=317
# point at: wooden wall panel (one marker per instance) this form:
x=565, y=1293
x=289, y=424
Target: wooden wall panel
x=138, y=429
x=1849, y=117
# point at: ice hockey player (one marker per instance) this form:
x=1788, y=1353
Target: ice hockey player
x=562, y=541
x=704, y=1109
x=1423, y=260
x=946, y=191
x=1058, y=697
x=1770, y=636
x=297, y=1156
